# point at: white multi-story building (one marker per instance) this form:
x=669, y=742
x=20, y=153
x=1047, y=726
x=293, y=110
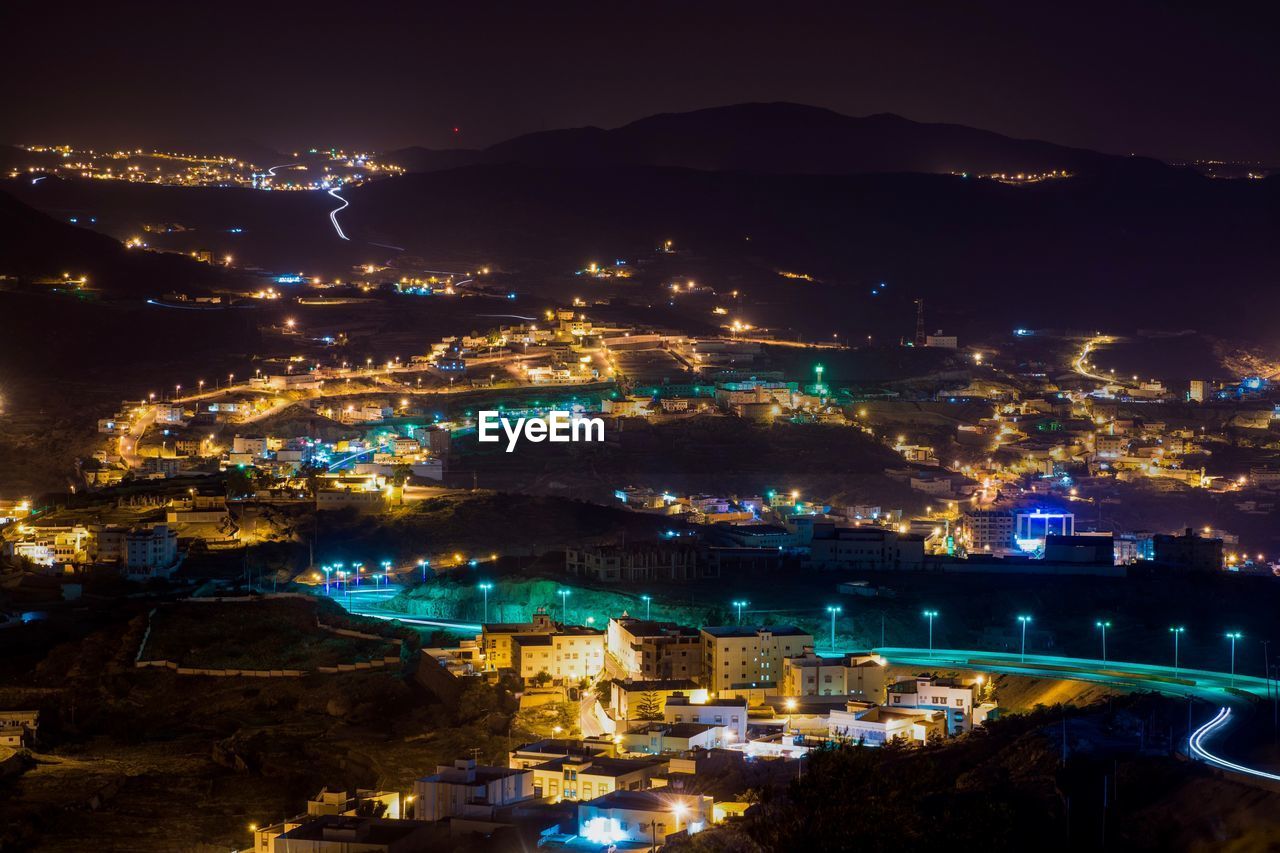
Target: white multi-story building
x=52, y=546
x=168, y=414
x=571, y=654
x=645, y=650
x=150, y=551
x=729, y=713
x=860, y=676
x=255, y=446
x=744, y=658
x=953, y=697
x=988, y=531
x=1110, y=446
x=468, y=790
x=876, y=725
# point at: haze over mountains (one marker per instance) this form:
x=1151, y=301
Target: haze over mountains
x=779, y=138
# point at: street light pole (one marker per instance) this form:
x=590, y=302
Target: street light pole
x=1024, y=620
x=1103, y=625
x=740, y=605
x=485, y=587
x=833, y=610
x=1176, y=631
x=564, y=605
x=647, y=599
x=930, y=614
x=1233, y=636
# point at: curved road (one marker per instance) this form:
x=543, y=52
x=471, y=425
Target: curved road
x=1220, y=688
x=1078, y=364
x=333, y=214
x=368, y=601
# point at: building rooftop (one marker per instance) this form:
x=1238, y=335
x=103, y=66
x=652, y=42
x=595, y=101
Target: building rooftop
x=465, y=772
x=599, y=765
x=649, y=628
x=753, y=529
x=676, y=730
x=684, y=701
x=560, y=746
x=653, y=800
x=657, y=684
x=744, y=631
x=531, y=639
x=364, y=830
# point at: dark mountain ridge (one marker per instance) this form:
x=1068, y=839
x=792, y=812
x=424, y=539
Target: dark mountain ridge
x=783, y=138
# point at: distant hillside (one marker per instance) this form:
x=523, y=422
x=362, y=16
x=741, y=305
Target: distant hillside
x=782, y=138
x=418, y=159
x=37, y=245
x=1154, y=249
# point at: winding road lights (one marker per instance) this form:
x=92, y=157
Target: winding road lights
x=930, y=615
x=1176, y=631
x=1024, y=620
x=1103, y=625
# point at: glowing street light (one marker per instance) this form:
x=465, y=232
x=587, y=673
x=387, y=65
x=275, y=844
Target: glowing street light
x=1024, y=620
x=1176, y=631
x=740, y=605
x=564, y=604
x=422, y=564
x=930, y=615
x=1233, y=636
x=647, y=599
x=834, y=609
x=326, y=578
x=1103, y=625
x=485, y=586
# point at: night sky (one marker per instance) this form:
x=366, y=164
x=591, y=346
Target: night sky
x=1174, y=80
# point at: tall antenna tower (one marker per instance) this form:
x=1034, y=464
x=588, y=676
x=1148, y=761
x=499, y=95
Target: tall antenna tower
x=920, y=337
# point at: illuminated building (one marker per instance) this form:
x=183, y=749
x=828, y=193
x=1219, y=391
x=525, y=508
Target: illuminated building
x=642, y=817
x=856, y=675
x=745, y=658
x=654, y=650
x=1031, y=528
x=465, y=789
x=872, y=548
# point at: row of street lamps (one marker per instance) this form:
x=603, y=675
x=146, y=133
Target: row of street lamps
x=833, y=610
x=345, y=577
x=1102, y=625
